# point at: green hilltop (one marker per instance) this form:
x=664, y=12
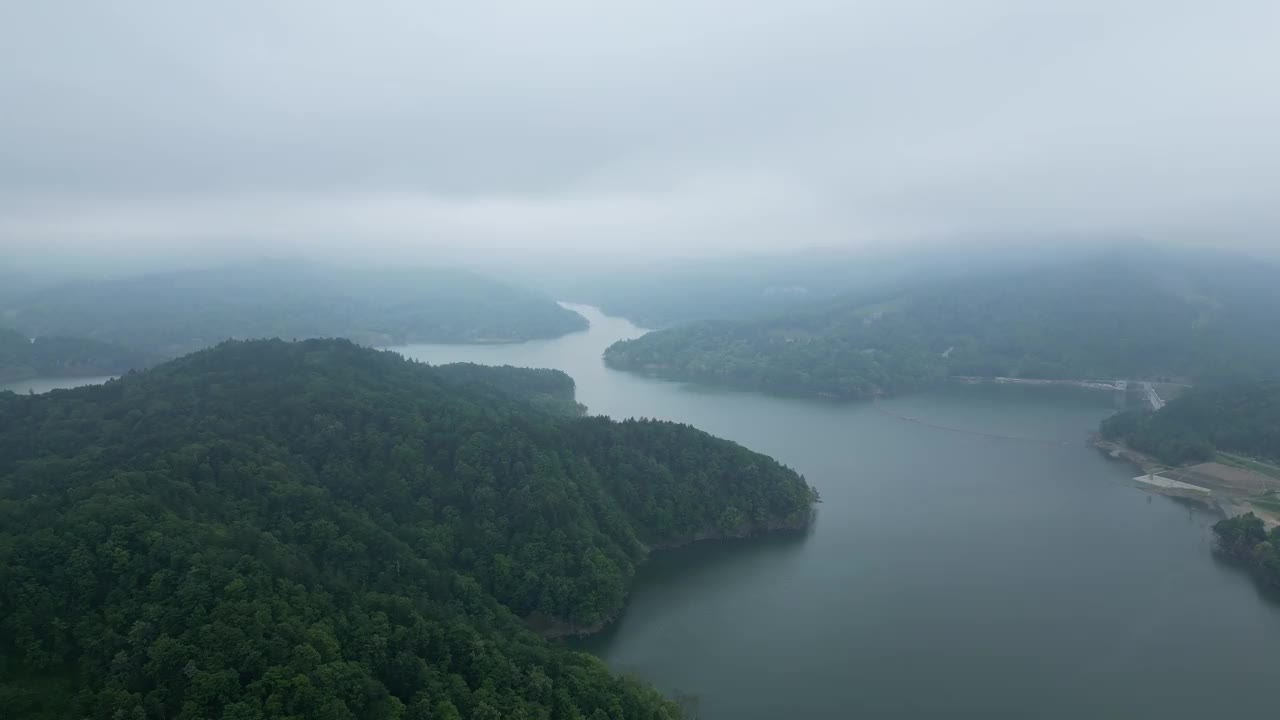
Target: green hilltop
x=319, y=530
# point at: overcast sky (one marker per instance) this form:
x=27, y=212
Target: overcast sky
x=463, y=129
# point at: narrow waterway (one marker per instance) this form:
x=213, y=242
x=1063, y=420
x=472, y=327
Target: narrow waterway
x=949, y=574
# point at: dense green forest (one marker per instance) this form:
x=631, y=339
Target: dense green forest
x=22, y=357
x=1244, y=537
x=1241, y=418
x=1119, y=316
x=549, y=390
x=175, y=312
x=318, y=530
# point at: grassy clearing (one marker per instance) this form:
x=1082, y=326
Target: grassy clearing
x=1270, y=504
x=1245, y=463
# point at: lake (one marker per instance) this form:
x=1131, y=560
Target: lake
x=957, y=574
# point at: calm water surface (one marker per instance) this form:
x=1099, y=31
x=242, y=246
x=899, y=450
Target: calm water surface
x=948, y=574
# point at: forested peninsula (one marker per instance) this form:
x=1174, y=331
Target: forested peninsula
x=1127, y=317
x=319, y=530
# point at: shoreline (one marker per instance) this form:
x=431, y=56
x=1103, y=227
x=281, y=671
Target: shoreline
x=549, y=628
x=1216, y=497
x=1102, y=385
x=664, y=372
x=72, y=372
x=1120, y=451
x=1152, y=468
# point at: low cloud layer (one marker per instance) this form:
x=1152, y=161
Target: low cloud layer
x=437, y=129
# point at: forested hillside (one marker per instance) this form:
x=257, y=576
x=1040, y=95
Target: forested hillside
x=1125, y=316
x=550, y=390
x=22, y=357
x=176, y=312
x=742, y=287
x=317, y=530
x=1241, y=418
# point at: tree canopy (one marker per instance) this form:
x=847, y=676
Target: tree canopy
x=1241, y=418
x=319, y=530
x=1245, y=538
x=550, y=390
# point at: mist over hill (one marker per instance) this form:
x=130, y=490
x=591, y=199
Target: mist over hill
x=1129, y=314
x=169, y=313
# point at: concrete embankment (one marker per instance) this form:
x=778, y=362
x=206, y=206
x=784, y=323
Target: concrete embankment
x=1105, y=385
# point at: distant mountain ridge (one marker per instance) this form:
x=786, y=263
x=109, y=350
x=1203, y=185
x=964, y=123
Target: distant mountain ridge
x=1128, y=315
x=746, y=287
x=175, y=312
